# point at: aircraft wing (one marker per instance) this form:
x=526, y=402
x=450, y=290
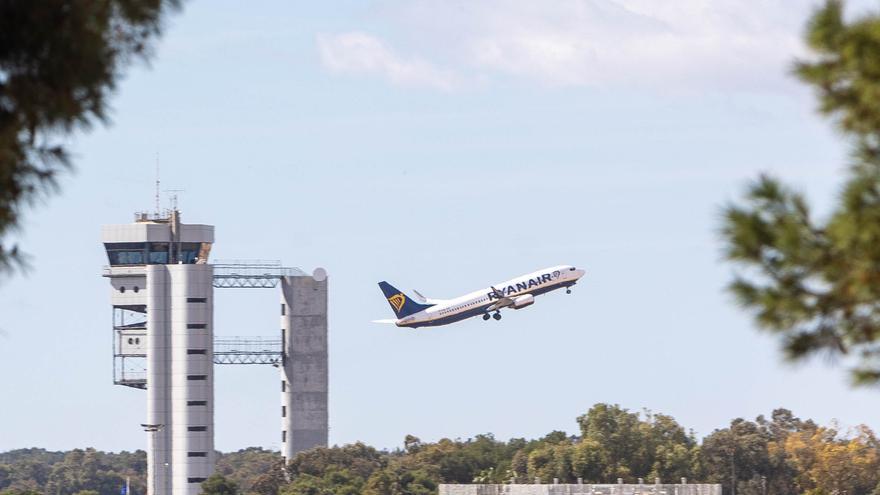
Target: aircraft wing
x=502, y=301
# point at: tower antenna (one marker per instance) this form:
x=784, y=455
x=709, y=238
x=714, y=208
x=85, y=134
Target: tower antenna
x=157, y=184
x=172, y=197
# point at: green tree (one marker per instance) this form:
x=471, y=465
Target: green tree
x=217, y=484
x=5, y=476
x=84, y=470
x=737, y=456
x=552, y=461
x=59, y=62
x=816, y=283
x=461, y=462
x=397, y=480
x=248, y=466
x=29, y=474
x=306, y=484
x=620, y=433
x=333, y=482
x=412, y=444
x=359, y=459
x=269, y=482
x=588, y=461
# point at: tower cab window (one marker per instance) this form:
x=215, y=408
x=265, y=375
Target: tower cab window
x=152, y=253
x=189, y=251
x=125, y=253
x=158, y=253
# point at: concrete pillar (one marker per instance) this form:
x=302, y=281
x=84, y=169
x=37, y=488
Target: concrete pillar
x=192, y=377
x=304, y=382
x=158, y=370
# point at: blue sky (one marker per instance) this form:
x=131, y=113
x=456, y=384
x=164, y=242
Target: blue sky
x=443, y=146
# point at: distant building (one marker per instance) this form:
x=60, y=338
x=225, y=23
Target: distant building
x=583, y=489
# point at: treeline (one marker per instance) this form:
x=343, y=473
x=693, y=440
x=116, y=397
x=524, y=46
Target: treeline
x=779, y=455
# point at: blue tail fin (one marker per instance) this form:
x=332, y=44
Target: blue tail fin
x=402, y=305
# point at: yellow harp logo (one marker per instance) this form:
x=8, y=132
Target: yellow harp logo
x=397, y=301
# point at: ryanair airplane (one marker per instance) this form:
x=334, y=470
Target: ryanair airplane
x=515, y=294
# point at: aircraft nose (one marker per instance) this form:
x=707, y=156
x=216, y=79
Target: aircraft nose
x=579, y=273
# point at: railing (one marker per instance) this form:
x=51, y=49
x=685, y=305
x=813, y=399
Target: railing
x=251, y=273
x=123, y=270
x=581, y=489
x=247, y=350
x=134, y=379
x=256, y=274
x=229, y=350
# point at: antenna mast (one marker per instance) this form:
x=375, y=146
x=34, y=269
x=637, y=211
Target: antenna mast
x=157, y=184
x=173, y=196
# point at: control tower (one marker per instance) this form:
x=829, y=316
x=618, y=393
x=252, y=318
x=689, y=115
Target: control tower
x=163, y=318
x=159, y=269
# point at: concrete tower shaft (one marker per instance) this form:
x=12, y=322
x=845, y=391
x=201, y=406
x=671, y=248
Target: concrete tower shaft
x=304, y=374
x=158, y=369
x=192, y=376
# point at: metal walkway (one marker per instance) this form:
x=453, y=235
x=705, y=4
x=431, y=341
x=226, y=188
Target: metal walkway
x=230, y=350
x=251, y=274
x=247, y=350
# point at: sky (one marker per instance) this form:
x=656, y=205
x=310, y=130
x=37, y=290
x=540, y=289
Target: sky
x=443, y=146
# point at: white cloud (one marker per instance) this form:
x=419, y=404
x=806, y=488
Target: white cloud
x=357, y=52
x=680, y=45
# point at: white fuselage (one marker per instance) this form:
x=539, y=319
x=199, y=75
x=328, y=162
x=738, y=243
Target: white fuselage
x=516, y=293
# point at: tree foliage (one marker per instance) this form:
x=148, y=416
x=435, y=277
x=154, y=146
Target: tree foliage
x=217, y=484
x=816, y=283
x=826, y=463
x=59, y=473
x=60, y=61
x=254, y=470
x=782, y=454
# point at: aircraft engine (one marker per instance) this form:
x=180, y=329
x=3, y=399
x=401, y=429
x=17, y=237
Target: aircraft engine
x=523, y=301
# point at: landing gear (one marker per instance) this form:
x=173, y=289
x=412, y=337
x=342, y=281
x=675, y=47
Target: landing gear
x=568, y=290
x=486, y=317
x=497, y=316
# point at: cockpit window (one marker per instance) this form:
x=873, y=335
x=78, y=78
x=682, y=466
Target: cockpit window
x=571, y=269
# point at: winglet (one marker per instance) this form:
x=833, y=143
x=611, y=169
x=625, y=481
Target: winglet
x=427, y=300
x=422, y=299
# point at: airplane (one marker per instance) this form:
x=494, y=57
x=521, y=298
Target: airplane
x=516, y=293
